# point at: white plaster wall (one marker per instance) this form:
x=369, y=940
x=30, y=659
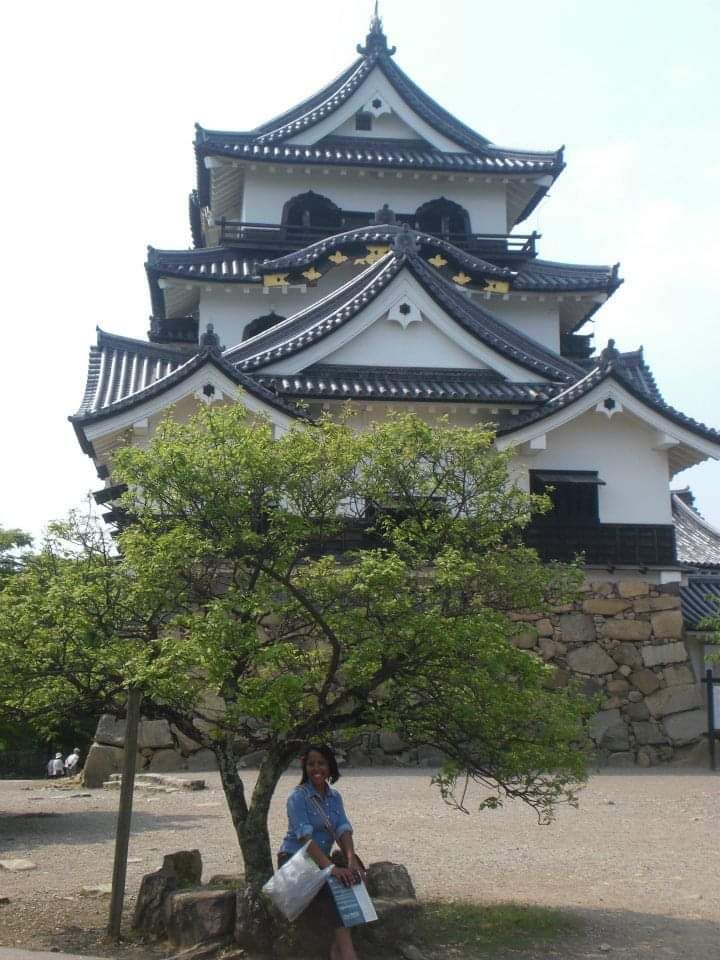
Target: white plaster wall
x=540, y=321
x=420, y=344
x=620, y=449
x=266, y=194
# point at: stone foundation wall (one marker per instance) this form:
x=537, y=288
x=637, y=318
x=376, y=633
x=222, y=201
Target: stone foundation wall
x=623, y=640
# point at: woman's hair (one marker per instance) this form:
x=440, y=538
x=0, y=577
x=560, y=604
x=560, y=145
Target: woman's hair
x=327, y=754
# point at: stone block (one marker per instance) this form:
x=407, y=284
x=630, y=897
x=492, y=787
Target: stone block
x=676, y=699
x=627, y=654
x=626, y=630
x=186, y=745
x=667, y=623
x=211, y=706
x=602, y=721
x=430, y=756
x=199, y=916
x=155, y=888
x=606, y=607
x=636, y=711
x=633, y=588
x=389, y=881
x=650, y=604
x=154, y=735
x=544, y=628
x=548, y=648
x=101, y=761
x=625, y=670
x=647, y=681
x=202, y=760
x=591, y=659
x=396, y=922
x=577, y=628
x=618, y=685
x=616, y=737
x=686, y=727
x=674, y=676
x=110, y=731
x=186, y=866
x=647, y=757
x=525, y=640
x=649, y=732
x=164, y=761
x=620, y=760
x=663, y=653
x=391, y=742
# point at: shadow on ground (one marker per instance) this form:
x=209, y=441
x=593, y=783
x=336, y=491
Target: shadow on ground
x=607, y=934
x=28, y=831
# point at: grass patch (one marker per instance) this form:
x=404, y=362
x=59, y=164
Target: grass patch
x=483, y=926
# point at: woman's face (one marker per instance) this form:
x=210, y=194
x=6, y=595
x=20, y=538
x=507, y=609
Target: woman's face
x=317, y=767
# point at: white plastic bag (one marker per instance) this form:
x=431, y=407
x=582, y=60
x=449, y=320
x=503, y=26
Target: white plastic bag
x=293, y=886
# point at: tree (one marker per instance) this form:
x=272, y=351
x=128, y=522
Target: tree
x=11, y=542
x=411, y=634
x=230, y=606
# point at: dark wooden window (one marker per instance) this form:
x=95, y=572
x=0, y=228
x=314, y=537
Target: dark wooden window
x=574, y=494
x=363, y=121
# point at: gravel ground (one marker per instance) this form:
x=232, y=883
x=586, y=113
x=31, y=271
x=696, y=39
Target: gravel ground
x=636, y=861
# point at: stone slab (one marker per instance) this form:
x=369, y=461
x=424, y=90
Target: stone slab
x=667, y=623
x=647, y=732
x=606, y=606
x=154, y=735
x=198, y=916
x=647, y=681
x=602, y=721
x=626, y=630
x=660, y=654
x=167, y=761
x=591, y=659
x=110, y=731
x=17, y=865
x=577, y=628
x=656, y=603
x=633, y=588
x=686, y=727
x=674, y=700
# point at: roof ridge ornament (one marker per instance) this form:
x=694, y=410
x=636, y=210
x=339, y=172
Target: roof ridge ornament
x=610, y=355
x=405, y=241
x=376, y=41
x=210, y=341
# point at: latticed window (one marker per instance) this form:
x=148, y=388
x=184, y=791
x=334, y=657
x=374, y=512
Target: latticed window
x=574, y=494
x=363, y=121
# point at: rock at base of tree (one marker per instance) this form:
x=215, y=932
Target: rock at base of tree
x=199, y=916
x=408, y=951
x=163, y=761
x=202, y=760
x=396, y=922
x=255, y=928
x=110, y=731
x=227, y=881
x=186, y=865
x=101, y=761
x=149, y=916
x=389, y=881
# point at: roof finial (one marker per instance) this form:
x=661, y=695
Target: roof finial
x=376, y=41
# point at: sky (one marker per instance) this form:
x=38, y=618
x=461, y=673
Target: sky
x=97, y=162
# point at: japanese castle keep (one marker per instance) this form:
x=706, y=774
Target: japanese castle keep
x=367, y=246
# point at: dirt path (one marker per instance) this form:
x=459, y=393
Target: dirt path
x=636, y=861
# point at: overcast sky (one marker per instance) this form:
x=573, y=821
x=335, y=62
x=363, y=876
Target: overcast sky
x=98, y=111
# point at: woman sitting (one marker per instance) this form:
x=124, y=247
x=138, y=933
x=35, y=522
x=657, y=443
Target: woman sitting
x=316, y=813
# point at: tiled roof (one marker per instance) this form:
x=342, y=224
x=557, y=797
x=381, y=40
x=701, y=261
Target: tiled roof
x=405, y=383
x=550, y=275
x=699, y=599
x=269, y=141
x=628, y=380
x=366, y=152
x=327, y=315
x=698, y=543
x=383, y=233
x=123, y=372
x=206, y=263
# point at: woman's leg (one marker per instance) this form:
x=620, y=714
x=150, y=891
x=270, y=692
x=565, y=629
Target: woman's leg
x=342, y=948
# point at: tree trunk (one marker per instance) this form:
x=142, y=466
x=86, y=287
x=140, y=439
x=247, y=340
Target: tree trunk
x=251, y=822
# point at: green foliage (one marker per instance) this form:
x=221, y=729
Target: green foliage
x=413, y=635
x=13, y=543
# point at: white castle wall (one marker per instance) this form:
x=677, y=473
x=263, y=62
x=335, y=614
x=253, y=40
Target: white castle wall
x=266, y=193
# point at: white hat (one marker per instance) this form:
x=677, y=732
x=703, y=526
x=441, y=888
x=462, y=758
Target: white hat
x=58, y=756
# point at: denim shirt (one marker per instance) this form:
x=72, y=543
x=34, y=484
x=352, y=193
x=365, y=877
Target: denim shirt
x=305, y=819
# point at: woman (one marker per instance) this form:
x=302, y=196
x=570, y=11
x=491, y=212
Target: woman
x=316, y=813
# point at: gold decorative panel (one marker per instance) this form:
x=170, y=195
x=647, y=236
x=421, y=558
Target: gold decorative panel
x=337, y=258
x=312, y=274
x=374, y=253
x=275, y=279
x=497, y=286
x=462, y=278
x=437, y=261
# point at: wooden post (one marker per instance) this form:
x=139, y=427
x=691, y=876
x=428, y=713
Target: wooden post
x=709, y=680
x=122, y=833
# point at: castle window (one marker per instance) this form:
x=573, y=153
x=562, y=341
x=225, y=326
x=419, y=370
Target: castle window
x=363, y=121
x=444, y=218
x=312, y=210
x=574, y=494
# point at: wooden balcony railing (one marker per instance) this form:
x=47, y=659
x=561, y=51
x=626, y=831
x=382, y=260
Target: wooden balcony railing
x=289, y=237
x=605, y=544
